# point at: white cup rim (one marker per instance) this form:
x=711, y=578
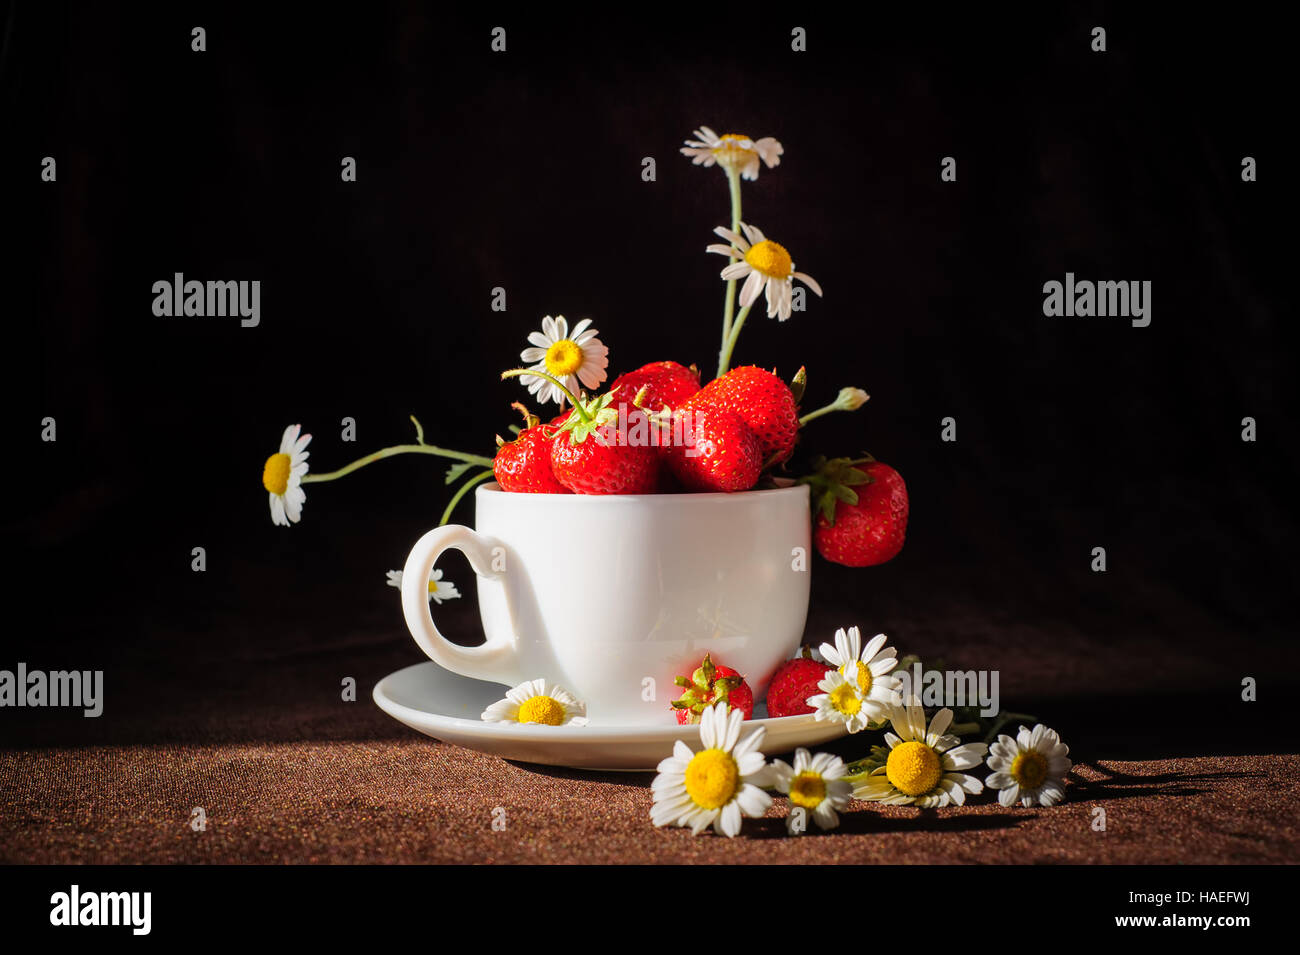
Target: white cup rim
x=664, y=500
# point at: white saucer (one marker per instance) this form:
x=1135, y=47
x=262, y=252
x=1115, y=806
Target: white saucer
x=446, y=705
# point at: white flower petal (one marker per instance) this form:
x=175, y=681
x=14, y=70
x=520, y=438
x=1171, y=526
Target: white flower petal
x=749, y=291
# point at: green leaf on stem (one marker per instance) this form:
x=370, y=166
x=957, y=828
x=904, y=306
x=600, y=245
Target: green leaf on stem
x=456, y=471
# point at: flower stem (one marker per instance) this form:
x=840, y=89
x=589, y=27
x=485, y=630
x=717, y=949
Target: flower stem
x=391, y=452
x=729, y=308
x=818, y=413
x=577, y=405
x=724, y=361
x=451, y=505
x=849, y=399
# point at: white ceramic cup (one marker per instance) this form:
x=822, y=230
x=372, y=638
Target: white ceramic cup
x=612, y=596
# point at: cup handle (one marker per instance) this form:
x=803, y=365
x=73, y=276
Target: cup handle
x=496, y=660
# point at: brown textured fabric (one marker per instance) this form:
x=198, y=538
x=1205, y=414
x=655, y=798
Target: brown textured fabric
x=419, y=800
x=255, y=731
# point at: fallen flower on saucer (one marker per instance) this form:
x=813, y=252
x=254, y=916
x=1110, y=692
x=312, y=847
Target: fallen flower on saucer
x=1030, y=768
x=717, y=786
x=868, y=667
x=814, y=784
x=923, y=767
x=840, y=702
x=439, y=589
x=534, y=701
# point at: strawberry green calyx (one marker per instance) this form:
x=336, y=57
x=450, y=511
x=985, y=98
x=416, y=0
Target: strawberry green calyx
x=834, y=480
x=704, y=688
x=592, y=416
x=799, y=383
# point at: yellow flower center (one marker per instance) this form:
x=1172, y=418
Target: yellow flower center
x=275, y=476
x=845, y=700
x=808, y=790
x=913, y=768
x=731, y=150
x=864, y=676
x=563, y=358
x=1029, y=769
x=541, y=709
x=433, y=586
x=712, y=778
x=771, y=259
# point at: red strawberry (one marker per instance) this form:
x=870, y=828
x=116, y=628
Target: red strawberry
x=863, y=512
x=795, y=680
x=712, y=449
x=764, y=401
x=710, y=684
x=665, y=383
x=524, y=464
x=593, y=454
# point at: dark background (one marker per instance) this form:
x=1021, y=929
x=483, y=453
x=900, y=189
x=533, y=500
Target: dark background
x=522, y=170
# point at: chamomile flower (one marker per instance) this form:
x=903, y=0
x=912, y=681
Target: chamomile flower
x=814, y=784
x=1030, y=768
x=868, y=668
x=439, y=589
x=733, y=152
x=571, y=356
x=924, y=767
x=840, y=702
x=765, y=266
x=536, y=701
x=718, y=785
x=282, y=476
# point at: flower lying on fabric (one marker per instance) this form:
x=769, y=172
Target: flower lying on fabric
x=924, y=766
x=1030, y=768
x=717, y=786
x=815, y=785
